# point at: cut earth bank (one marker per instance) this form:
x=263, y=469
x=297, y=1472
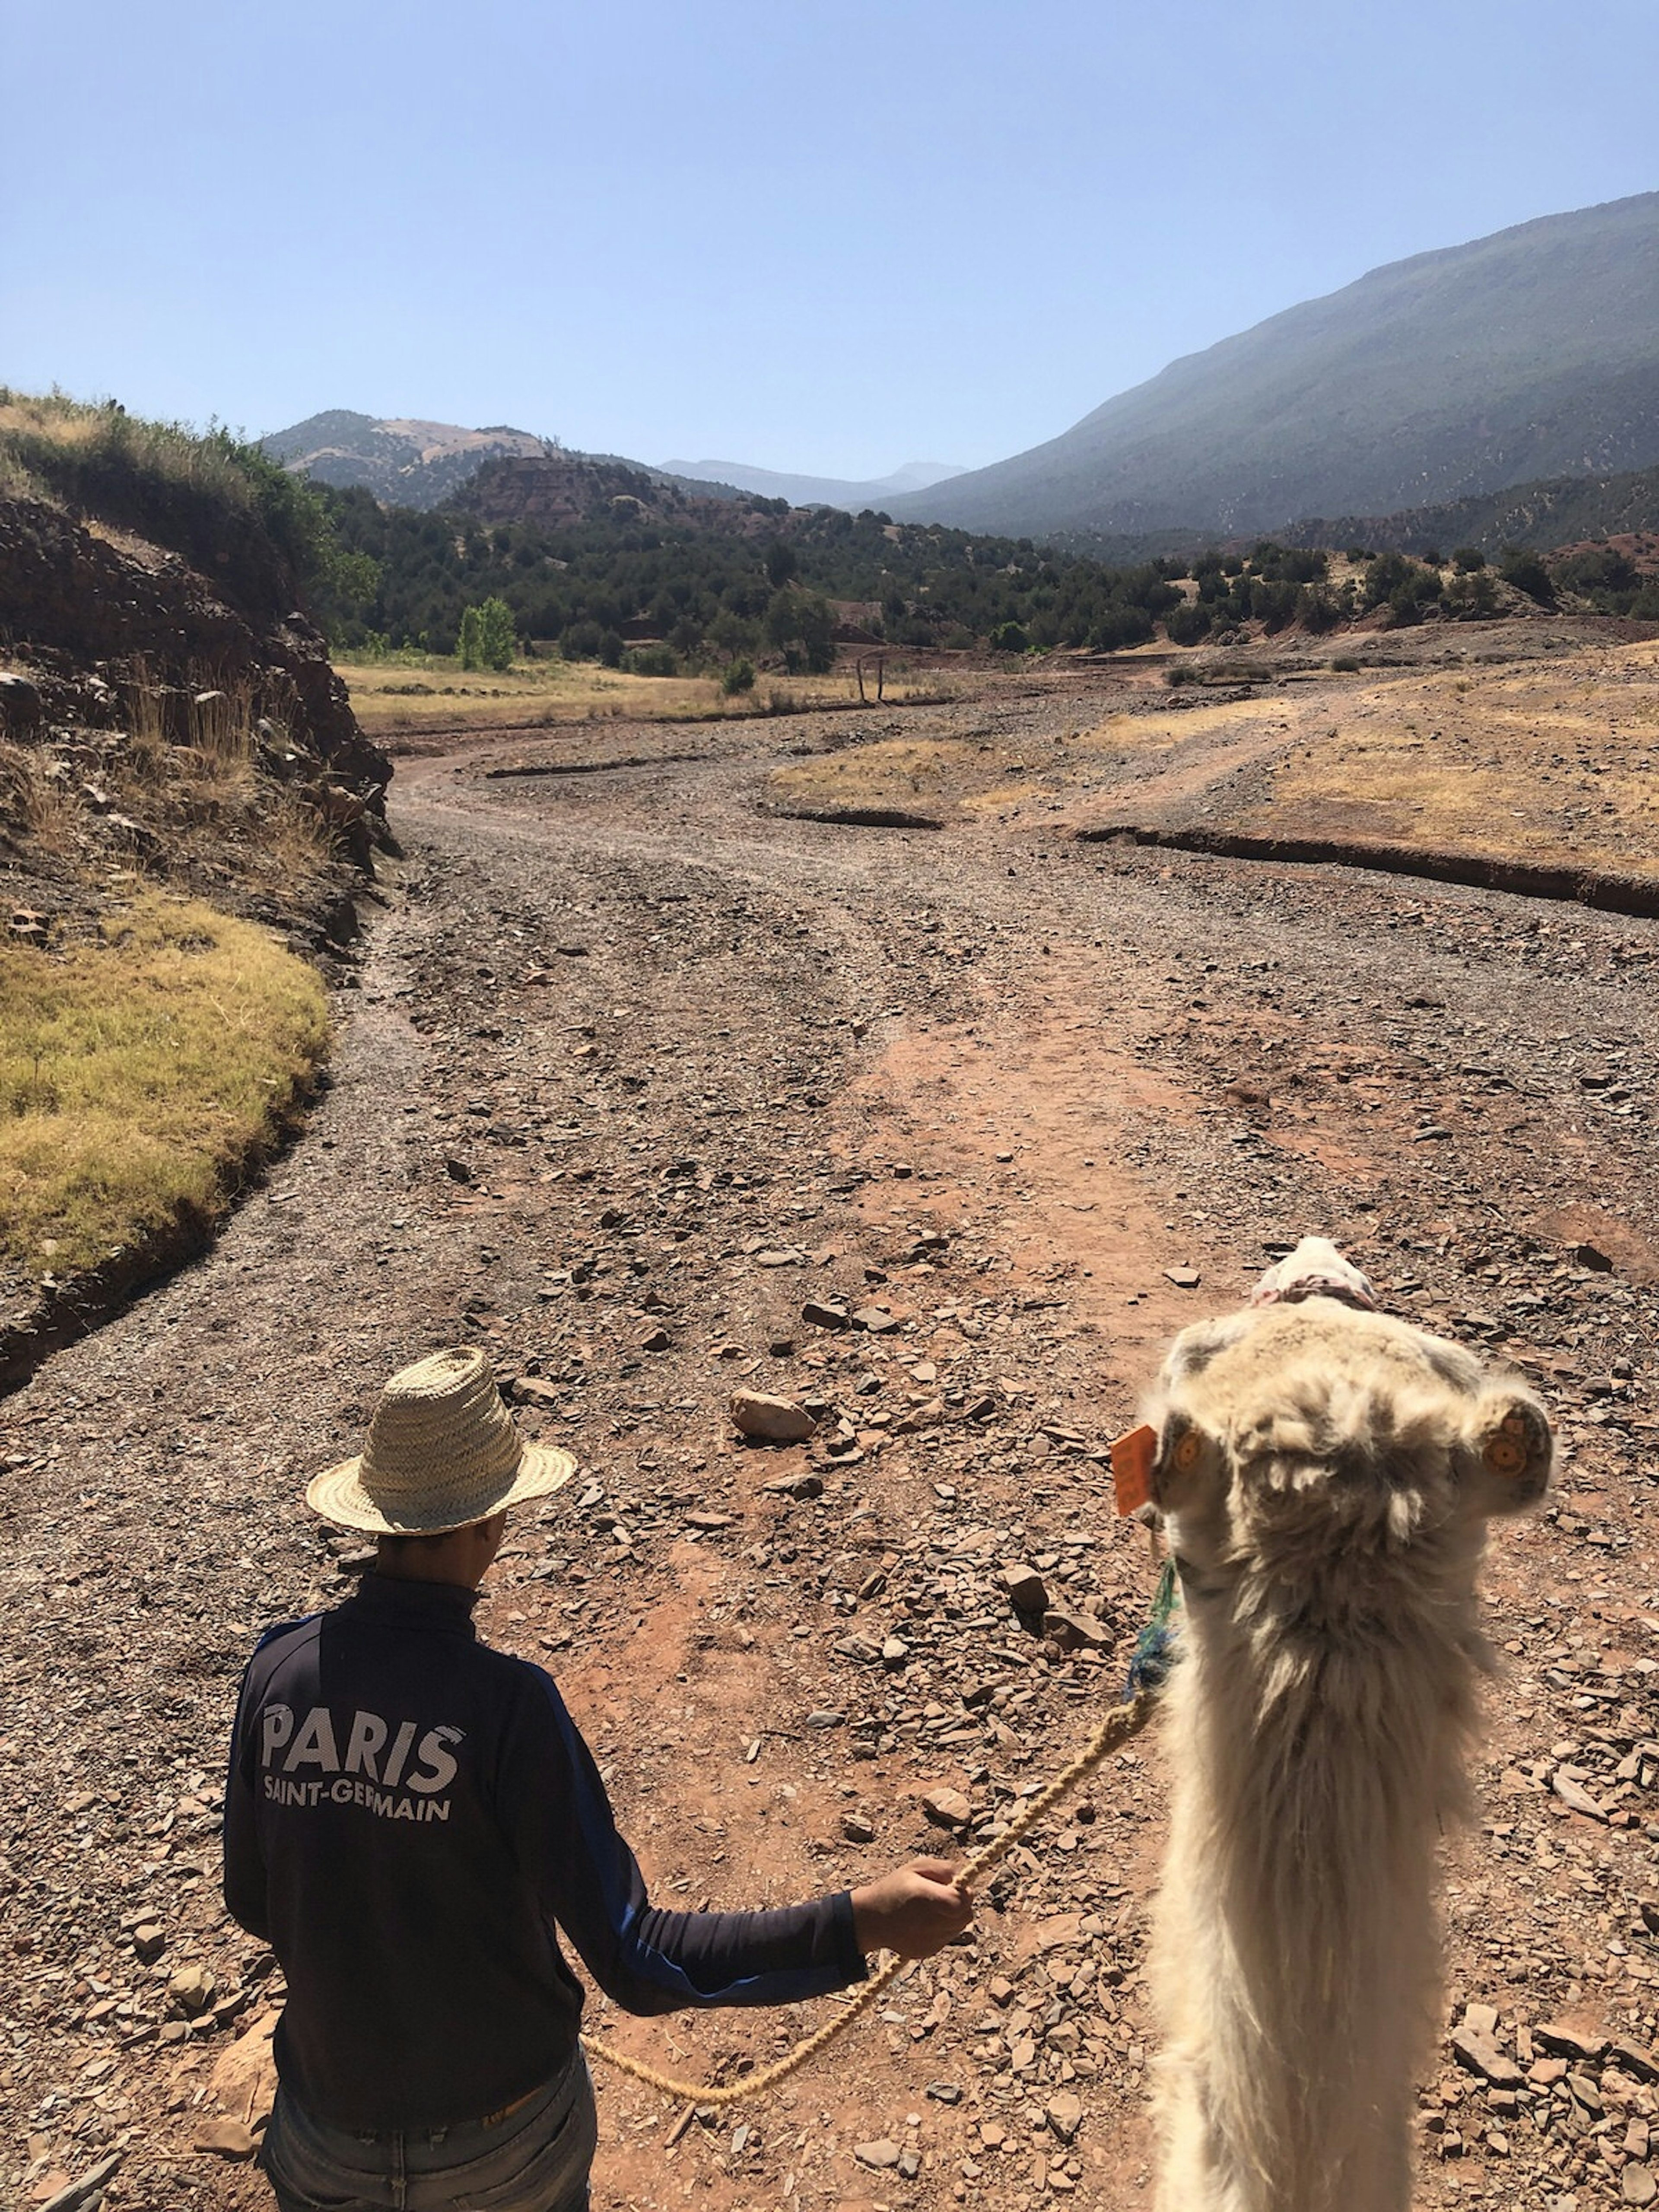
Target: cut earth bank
x=633, y=1070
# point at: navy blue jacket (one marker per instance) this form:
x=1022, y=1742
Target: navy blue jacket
x=408, y=1814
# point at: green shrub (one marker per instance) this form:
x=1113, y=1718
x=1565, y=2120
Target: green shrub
x=1009, y=637
x=1472, y=595
x=1467, y=559
x=1189, y=625
x=1346, y=665
x=1117, y=627
x=651, y=660
x=737, y=676
x=1528, y=573
x=802, y=626
x=1316, y=610
x=259, y=532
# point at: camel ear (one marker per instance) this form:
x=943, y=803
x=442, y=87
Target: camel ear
x=1508, y=1440
x=1189, y=1461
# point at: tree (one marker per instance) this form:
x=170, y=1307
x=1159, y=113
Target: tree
x=783, y=563
x=488, y=638
x=802, y=626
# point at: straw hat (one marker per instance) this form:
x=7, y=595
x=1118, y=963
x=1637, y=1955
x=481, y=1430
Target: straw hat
x=442, y=1453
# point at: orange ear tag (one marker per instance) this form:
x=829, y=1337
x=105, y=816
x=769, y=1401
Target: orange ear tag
x=1133, y=1456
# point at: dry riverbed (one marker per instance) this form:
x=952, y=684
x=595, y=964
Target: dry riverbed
x=637, y=1067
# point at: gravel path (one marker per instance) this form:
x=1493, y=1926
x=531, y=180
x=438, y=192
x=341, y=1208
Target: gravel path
x=631, y=1073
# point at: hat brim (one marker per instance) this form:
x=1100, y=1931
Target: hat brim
x=337, y=1495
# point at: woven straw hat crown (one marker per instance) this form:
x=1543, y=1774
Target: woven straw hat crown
x=441, y=1453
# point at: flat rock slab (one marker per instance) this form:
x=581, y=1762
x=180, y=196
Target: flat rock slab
x=1076, y=1632
x=1481, y=2055
x=882, y=2155
x=818, y=1313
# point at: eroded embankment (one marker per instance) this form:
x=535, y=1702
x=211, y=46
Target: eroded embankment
x=1609, y=892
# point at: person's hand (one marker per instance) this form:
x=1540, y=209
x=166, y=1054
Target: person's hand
x=915, y=1911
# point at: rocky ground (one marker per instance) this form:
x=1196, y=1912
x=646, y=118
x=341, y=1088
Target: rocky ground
x=633, y=1076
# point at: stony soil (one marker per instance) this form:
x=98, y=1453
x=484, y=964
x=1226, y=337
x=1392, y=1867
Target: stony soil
x=630, y=1073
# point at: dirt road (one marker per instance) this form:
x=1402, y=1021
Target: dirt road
x=633, y=1070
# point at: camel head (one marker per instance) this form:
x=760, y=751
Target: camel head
x=1311, y=1433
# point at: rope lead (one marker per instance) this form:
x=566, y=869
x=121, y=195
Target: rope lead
x=1149, y=1669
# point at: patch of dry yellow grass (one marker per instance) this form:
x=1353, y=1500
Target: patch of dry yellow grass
x=1551, y=760
x=892, y=772
x=141, y=1075
x=387, y=696
x=1161, y=732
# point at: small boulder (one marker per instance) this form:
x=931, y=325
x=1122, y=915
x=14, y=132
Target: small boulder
x=946, y=1808
x=192, y=1988
x=771, y=1420
x=1065, y=2115
x=875, y=1321
x=1570, y=2039
x=1027, y=1591
x=1075, y=1632
x=20, y=706
x=1480, y=2054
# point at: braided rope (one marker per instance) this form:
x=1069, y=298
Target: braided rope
x=1121, y=1725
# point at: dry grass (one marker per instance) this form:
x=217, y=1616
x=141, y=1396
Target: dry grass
x=185, y=769
x=36, y=806
x=1548, y=761
x=539, y=693
x=141, y=1076
x=1161, y=733
x=892, y=772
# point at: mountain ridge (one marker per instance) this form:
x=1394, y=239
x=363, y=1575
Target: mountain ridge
x=406, y=460
x=1530, y=353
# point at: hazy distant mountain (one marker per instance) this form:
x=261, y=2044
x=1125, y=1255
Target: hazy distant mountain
x=406, y=463
x=817, y=491
x=1528, y=355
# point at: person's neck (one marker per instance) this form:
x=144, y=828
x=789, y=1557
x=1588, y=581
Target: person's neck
x=458, y=1557
x=451, y=1575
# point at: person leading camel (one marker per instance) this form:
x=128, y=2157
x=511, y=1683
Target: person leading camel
x=412, y=1821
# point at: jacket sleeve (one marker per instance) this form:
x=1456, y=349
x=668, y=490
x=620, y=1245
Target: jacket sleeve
x=245, y=1865
x=553, y=1806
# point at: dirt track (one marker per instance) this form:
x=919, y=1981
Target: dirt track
x=630, y=1060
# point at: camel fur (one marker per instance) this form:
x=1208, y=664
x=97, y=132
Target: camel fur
x=1327, y=1474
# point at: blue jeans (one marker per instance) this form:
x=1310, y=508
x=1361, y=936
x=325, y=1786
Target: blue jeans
x=535, y=2158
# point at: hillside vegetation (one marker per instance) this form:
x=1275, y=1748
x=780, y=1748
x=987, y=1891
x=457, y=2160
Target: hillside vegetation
x=1538, y=517
x=606, y=565
x=259, y=534
x=1528, y=355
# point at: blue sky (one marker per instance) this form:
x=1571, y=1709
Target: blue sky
x=819, y=237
